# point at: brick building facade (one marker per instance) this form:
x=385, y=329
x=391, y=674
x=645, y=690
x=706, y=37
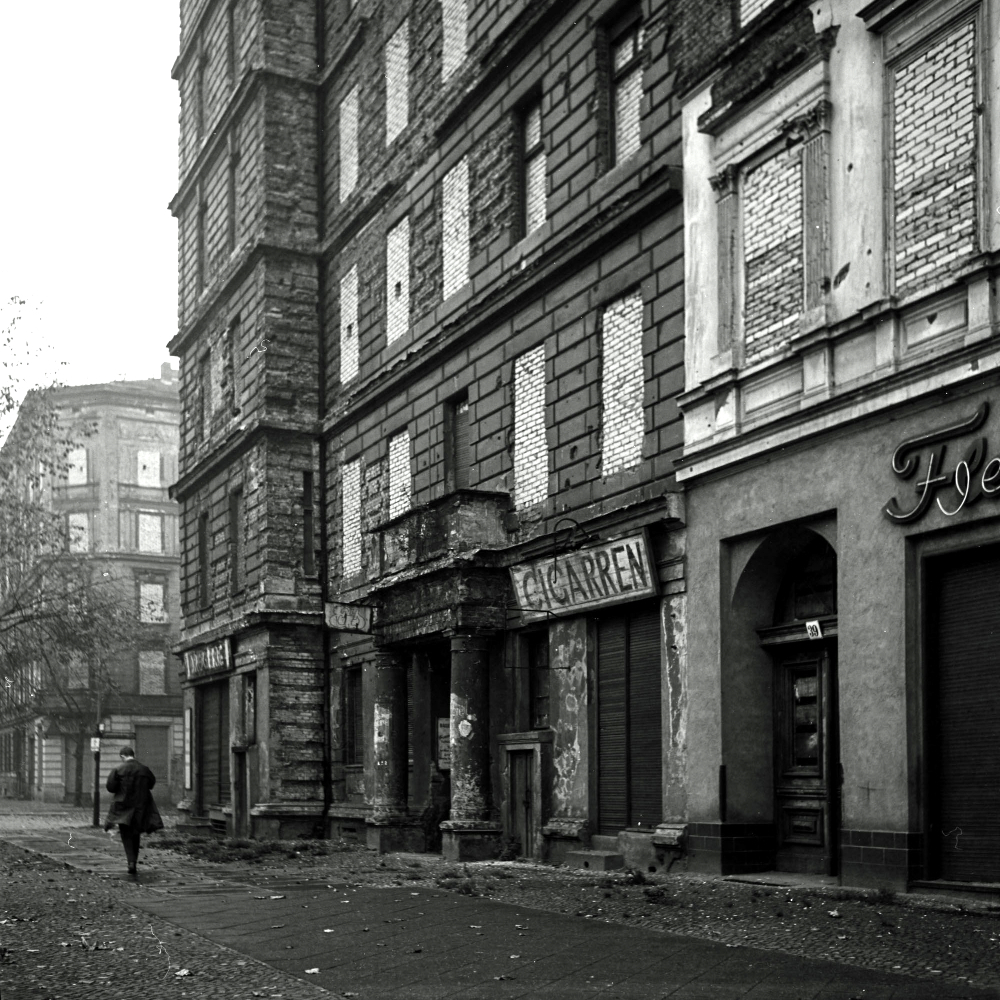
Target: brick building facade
x=119, y=516
x=842, y=239
x=453, y=232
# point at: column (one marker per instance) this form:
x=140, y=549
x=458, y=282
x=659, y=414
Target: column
x=389, y=826
x=389, y=738
x=469, y=835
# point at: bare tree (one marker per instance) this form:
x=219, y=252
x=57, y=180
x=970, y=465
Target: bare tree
x=65, y=618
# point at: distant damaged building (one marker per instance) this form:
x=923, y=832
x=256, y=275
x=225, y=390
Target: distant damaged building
x=431, y=329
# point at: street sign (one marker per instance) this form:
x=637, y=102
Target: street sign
x=95, y=744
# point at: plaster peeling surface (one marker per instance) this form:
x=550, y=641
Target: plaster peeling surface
x=569, y=672
x=383, y=716
x=675, y=708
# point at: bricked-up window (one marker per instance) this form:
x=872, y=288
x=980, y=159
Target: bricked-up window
x=455, y=22
x=76, y=467
x=237, y=547
x=348, y=143
x=152, y=672
x=772, y=253
x=622, y=384
x=934, y=190
x=626, y=91
x=531, y=452
x=148, y=468
x=397, y=279
x=455, y=226
x=77, y=672
x=456, y=432
x=532, y=169
x=308, y=526
x=204, y=561
x=349, y=325
x=152, y=602
x=749, y=9
x=399, y=473
x=350, y=524
x=203, y=398
x=150, y=532
x=397, y=81
x=353, y=718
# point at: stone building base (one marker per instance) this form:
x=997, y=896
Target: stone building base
x=403, y=835
x=880, y=859
x=467, y=841
x=730, y=848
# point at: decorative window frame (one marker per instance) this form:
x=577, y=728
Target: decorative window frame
x=796, y=113
x=908, y=30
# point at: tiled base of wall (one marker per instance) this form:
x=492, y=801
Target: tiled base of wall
x=875, y=858
x=730, y=848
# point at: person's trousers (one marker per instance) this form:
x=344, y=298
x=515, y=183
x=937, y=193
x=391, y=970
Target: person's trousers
x=130, y=838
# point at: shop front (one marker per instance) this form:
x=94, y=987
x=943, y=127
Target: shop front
x=842, y=622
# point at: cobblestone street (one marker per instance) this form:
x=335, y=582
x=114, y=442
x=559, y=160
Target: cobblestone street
x=74, y=927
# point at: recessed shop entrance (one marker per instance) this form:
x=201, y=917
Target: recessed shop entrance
x=794, y=572
x=963, y=716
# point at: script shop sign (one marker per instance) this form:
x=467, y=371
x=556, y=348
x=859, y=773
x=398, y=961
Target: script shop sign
x=573, y=582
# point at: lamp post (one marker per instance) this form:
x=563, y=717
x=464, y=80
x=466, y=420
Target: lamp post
x=95, y=745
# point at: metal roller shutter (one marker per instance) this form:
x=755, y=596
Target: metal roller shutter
x=612, y=754
x=968, y=717
x=213, y=741
x=645, y=749
x=628, y=722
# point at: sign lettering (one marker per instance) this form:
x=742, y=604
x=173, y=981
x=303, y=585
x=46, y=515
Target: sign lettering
x=972, y=478
x=349, y=617
x=572, y=582
x=207, y=659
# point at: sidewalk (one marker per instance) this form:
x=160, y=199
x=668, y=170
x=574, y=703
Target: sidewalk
x=396, y=941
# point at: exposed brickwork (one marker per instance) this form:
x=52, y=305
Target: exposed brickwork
x=535, y=181
x=397, y=81
x=772, y=253
x=399, y=473
x=491, y=188
x=349, y=325
x=531, y=450
x=455, y=227
x=397, y=273
x=628, y=96
x=749, y=9
x=348, y=124
x=934, y=161
x=622, y=384
x=455, y=20
x=351, y=519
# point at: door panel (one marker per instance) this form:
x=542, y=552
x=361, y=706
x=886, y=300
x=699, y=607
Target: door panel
x=521, y=793
x=805, y=782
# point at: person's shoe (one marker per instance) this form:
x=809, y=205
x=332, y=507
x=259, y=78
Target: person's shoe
x=131, y=870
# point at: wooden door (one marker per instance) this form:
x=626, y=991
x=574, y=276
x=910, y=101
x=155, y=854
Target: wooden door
x=806, y=787
x=521, y=763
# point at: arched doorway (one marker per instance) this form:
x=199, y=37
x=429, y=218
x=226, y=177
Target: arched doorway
x=802, y=645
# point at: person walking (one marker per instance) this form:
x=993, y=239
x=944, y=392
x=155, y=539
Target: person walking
x=133, y=808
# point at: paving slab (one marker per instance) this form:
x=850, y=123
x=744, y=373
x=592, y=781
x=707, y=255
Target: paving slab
x=391, y=942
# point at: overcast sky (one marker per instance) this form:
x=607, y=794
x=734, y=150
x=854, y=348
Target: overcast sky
x=89, y=165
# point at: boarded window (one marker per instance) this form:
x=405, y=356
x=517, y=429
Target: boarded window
x=152, y=606
x=76, y=470
x=152, y=672
x=150, y=532
x=148, y=468
x=79, y=532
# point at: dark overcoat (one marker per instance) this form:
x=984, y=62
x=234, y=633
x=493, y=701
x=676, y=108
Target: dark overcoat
x=133, y=805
